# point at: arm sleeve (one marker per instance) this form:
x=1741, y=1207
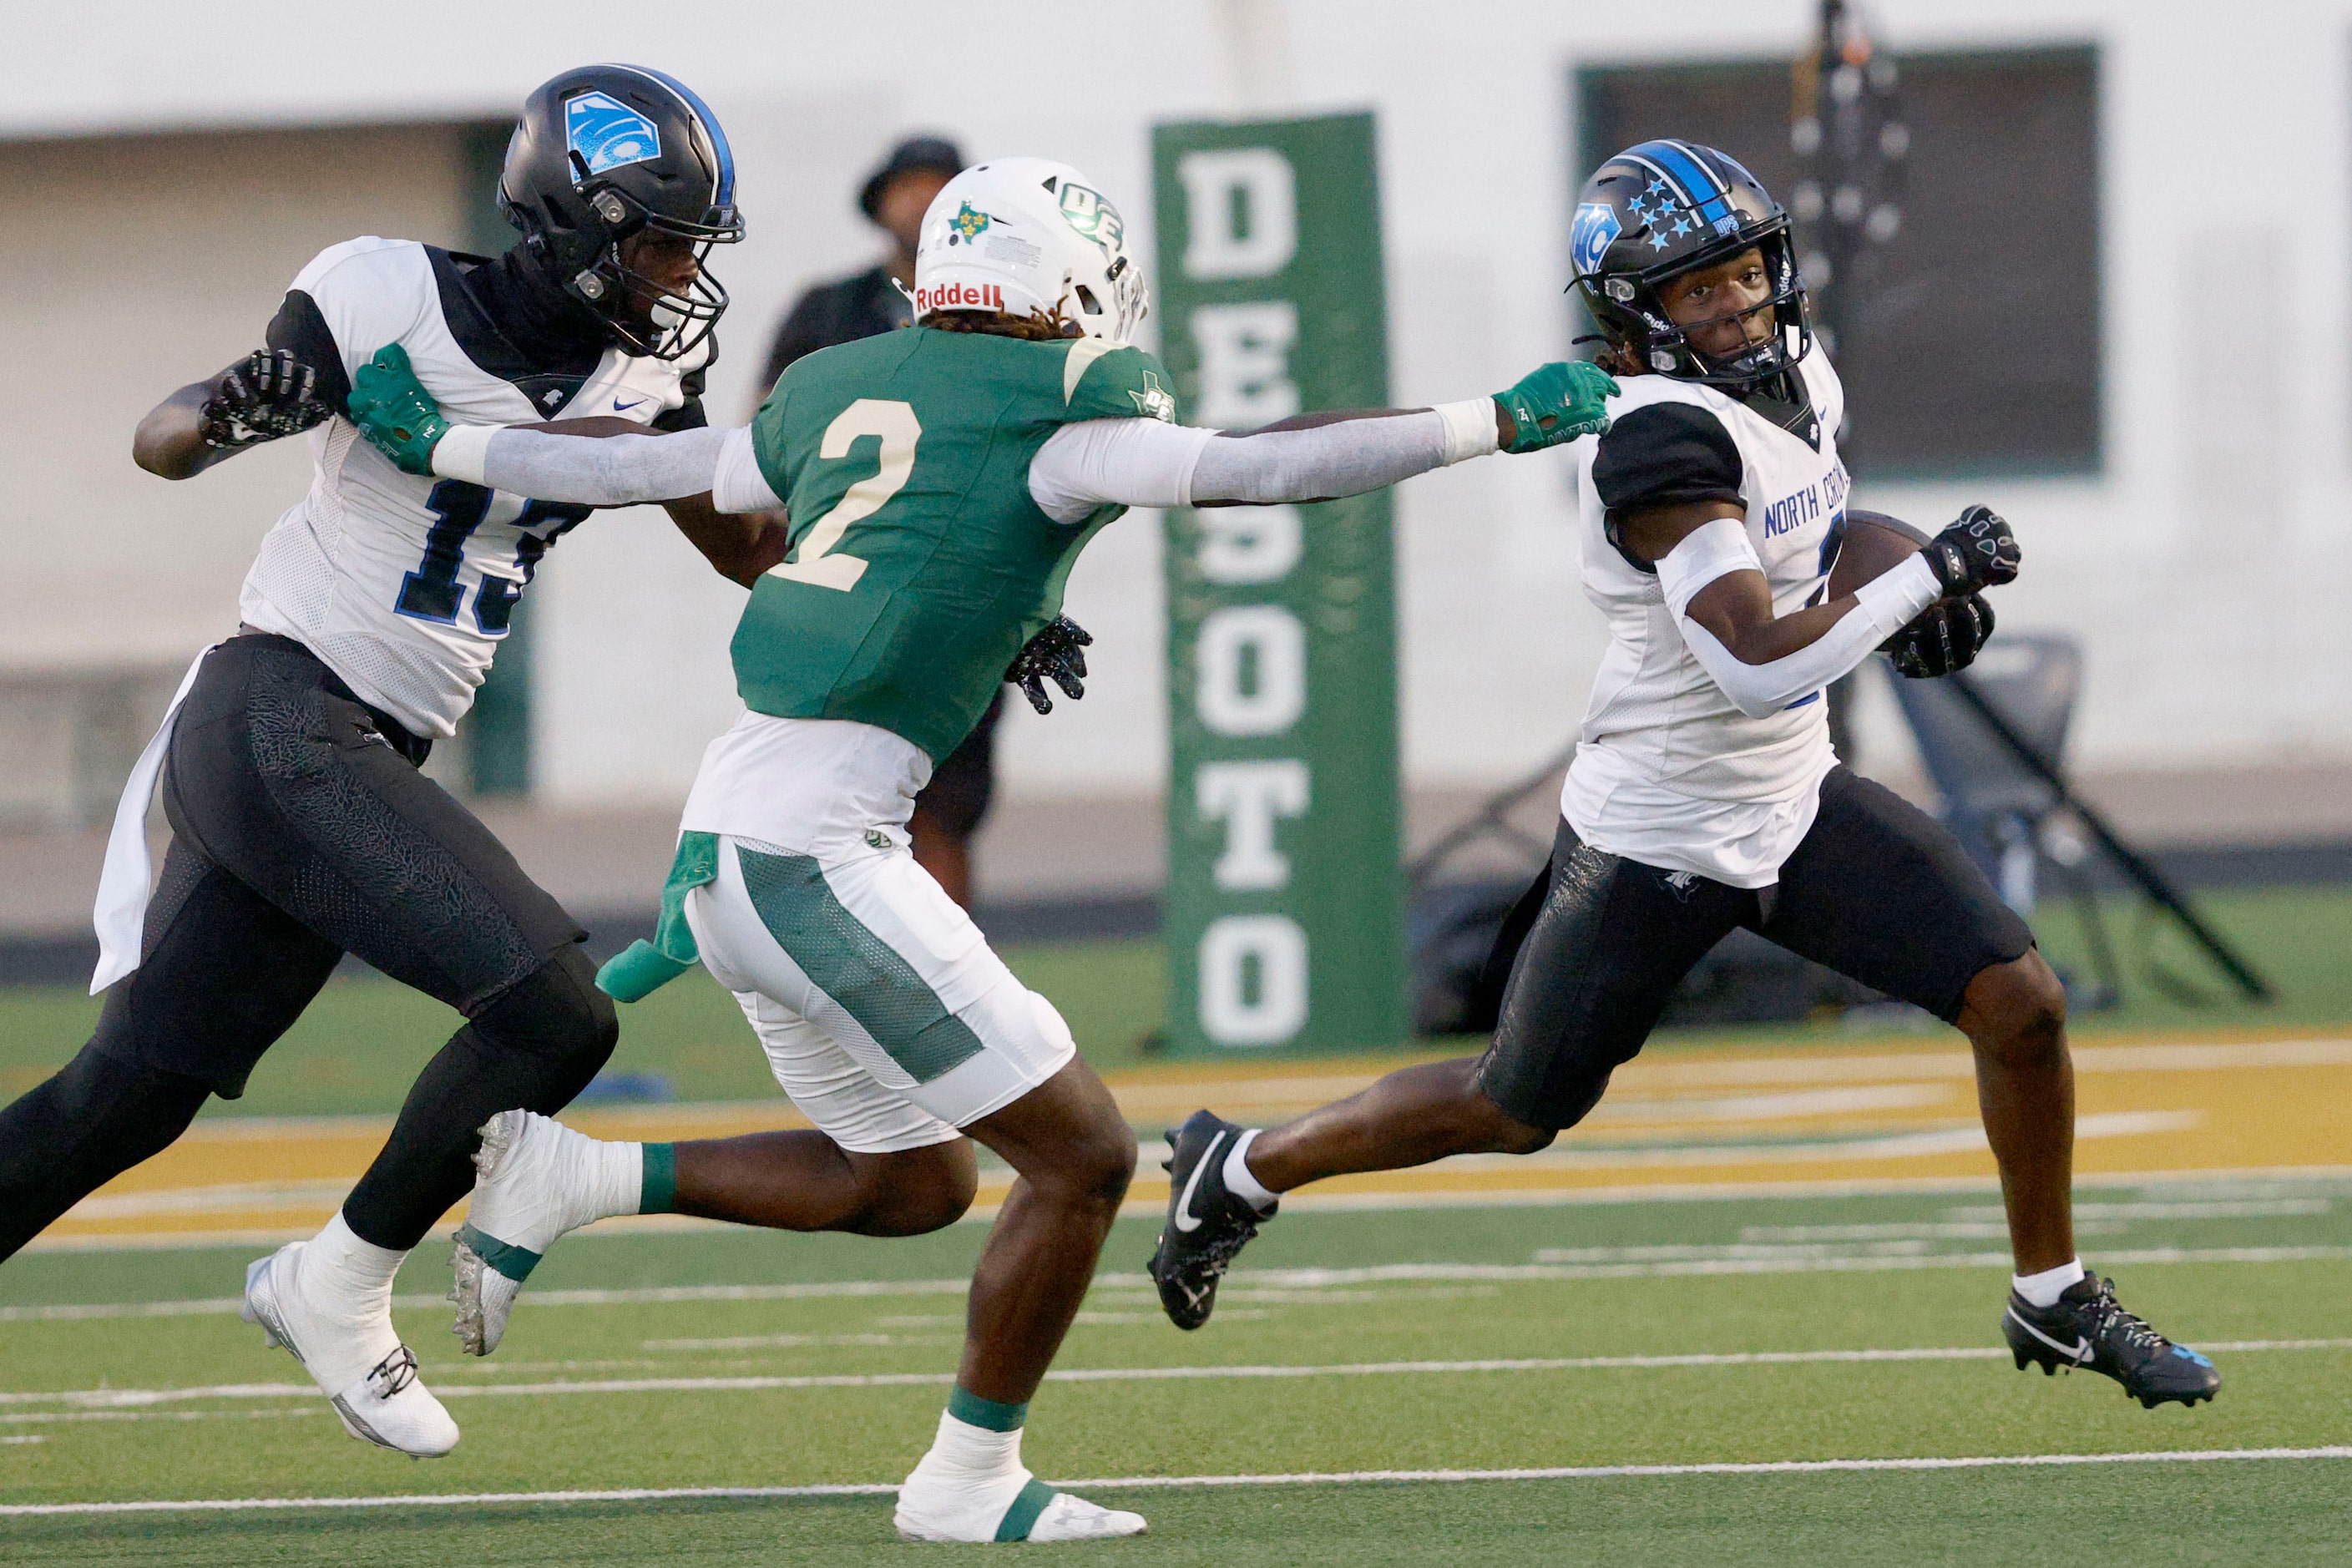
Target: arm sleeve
x=1331, y=461
x=739, y=486
x=1096, y=463
x=1143, y=462
x=619, y=470
x=1882, y=606
x=301, y=328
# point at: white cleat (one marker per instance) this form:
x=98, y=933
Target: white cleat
x=1068, y=1518
x=930, y=1511
x=386, y=1405
x=536, y=1180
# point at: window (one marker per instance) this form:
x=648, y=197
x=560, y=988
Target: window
x=1977, y=347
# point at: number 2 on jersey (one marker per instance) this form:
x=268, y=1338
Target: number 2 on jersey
x=895, y=424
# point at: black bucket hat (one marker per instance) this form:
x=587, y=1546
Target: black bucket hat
x=914, y=154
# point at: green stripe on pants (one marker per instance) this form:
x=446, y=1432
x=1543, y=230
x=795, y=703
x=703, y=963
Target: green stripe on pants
x=858, y=969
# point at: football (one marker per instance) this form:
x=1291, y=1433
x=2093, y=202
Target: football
x=1874, y=543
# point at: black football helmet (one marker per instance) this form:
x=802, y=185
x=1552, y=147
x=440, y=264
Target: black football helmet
x=1663, y=208
x=601, y=154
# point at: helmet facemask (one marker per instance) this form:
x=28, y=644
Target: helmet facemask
x=1630, y=308
x=672, y=325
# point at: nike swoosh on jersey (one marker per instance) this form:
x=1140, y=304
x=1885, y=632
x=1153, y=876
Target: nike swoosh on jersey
x=621, y=407
x=2080, y=1351
x=1186, y=1220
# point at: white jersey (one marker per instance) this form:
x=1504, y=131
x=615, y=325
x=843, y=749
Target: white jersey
x=404, y=584
x=1670, y=772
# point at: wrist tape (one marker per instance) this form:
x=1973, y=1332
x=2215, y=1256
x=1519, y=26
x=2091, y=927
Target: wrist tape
x=1470, y=429
x=463, y=452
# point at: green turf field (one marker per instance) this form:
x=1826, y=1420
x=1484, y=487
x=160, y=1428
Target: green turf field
x=1587, y=1336
x=363, y=1042
x=1356, y=1342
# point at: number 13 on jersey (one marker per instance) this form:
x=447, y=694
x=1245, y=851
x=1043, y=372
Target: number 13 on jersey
x=434, y=591
x=815, y=561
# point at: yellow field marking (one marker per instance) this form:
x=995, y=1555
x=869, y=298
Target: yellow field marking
x=1765, y=1117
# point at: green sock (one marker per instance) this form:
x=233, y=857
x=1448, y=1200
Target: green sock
x=659, y=1193
x=986, y=1414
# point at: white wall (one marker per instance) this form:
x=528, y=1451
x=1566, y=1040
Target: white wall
x=135, y=266
x=2200, y=565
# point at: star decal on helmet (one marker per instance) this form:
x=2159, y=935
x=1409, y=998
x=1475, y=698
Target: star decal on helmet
x=968, y=222
x=1155, y=401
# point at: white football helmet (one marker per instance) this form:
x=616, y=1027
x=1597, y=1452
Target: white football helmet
x=1018, y=235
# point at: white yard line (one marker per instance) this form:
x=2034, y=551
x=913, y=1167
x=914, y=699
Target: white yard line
x=1158, y=1483
x=1587, y=1263
x=124, y=1399
x=1397, y=1201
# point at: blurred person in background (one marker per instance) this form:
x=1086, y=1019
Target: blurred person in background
x=894, y=197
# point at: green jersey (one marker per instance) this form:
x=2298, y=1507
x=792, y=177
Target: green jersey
x=920, y=563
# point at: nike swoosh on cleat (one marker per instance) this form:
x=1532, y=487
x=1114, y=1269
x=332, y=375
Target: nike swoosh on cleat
x=1186, y=1220
x=2078, y=1352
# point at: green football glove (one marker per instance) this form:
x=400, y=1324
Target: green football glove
x=395, y=413
x=1557, y=403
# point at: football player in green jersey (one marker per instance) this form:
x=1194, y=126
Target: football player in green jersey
x=940, y=482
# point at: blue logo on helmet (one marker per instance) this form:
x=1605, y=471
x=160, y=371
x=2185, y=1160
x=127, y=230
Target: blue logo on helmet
x=606, y=133
x=1596, y=228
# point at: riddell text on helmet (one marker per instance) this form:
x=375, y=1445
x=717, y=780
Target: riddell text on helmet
x=959, y=296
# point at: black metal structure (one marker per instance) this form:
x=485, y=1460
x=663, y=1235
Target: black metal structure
x=2133, y=866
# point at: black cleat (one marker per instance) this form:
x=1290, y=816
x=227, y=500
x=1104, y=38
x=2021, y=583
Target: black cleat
x=1207, y=1224
x=2088, y=1327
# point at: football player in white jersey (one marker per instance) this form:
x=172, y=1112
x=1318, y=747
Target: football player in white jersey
x=1705, y=794
x=301, y=828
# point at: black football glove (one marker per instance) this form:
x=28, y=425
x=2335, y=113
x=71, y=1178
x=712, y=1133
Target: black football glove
x=1945, y=640
x=1976, y=552
x=1058, y=651
x=271, y=395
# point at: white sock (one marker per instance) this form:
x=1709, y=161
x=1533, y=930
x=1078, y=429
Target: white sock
x=347, y=1283
x=966, y=1452
x=2044, y=1289
x=617, y=1176
x=1238, y=1180
x=967, y=1481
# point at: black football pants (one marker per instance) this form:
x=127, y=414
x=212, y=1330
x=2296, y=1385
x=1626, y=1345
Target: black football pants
x=301, y=831
x=1877, y=890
